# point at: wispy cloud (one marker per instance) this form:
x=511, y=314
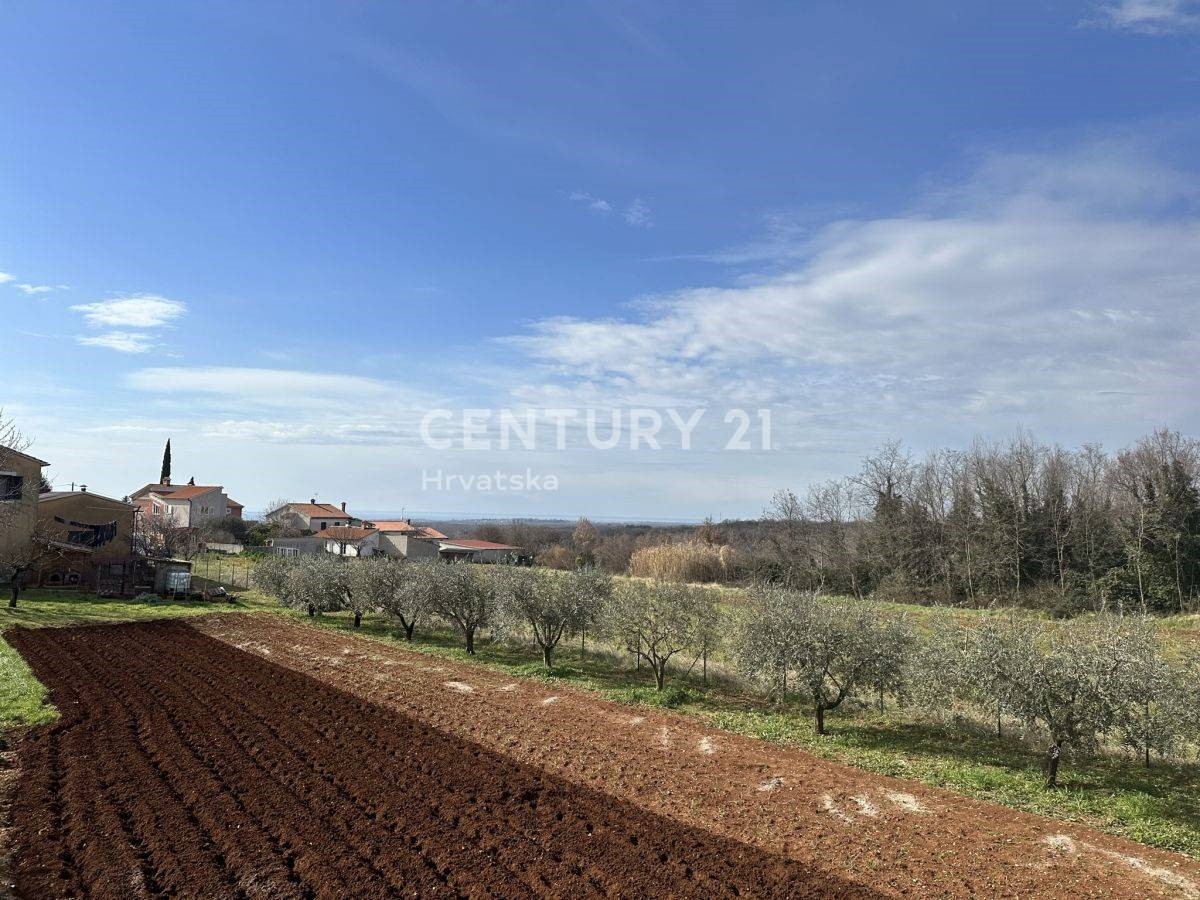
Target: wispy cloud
x=287, y=405
x=137, y=311
x=142, y=311
x=1019, y=294
x=1148, y=16
x=638, y=214
x=248, y=382
x=593, y=203
x=121, y=341
x=5, y=277
x=36, y=289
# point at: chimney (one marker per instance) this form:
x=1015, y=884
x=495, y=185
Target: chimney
x=167, y=481
x=313, y=501
x=343, y=506
x=83, y=488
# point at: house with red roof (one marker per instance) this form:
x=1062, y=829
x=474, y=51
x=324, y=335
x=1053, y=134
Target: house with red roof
x=401, y=538
x=311, y=516
x=185, y=505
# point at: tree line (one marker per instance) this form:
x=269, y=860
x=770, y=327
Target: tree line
x=1020, y=521
x=1104, y=681
x=1014, y=522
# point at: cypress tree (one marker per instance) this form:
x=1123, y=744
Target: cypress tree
x=165, y=476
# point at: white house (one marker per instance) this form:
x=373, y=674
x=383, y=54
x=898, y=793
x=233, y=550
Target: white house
x=186, y=506
x=347, y=540
x=401, y=538
x=311, y=516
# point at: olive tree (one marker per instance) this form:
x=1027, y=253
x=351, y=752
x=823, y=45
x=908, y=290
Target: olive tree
x=591, y=590
x=463, y=597
x=657, y=620
x=271, y=575
x=937, y=666
x=318, y=584
x=371, y=580
x=990, y=653
x=410, y=600
x=1159, y=696
x=1069, y=680
x=828, y=648
x=549, y=605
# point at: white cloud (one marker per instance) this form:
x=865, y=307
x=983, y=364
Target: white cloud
x=137, y=311
x=5, y=277
x=1055, y=287
x=35, y=289
x=255, y=383
x=1149, y=16
x=286, y=405
x=122, y=341
x=333, y=433
x=638, y=214
x=593, y=203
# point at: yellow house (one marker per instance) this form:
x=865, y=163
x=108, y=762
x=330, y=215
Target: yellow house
x=20, y=481
x=93, y=540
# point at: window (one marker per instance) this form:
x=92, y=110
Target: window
x=11, y=485
x=323, y=525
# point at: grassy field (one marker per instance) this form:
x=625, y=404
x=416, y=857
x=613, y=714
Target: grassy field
x=1160, y=807
x=221, y=568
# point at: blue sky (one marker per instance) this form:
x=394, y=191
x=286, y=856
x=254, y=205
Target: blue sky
x=281, y=233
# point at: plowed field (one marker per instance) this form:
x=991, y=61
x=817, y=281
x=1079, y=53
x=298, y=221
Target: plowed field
x=182, y=766
x=253, y=756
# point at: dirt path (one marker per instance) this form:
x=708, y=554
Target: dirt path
x=182, y=766
x=897, y=837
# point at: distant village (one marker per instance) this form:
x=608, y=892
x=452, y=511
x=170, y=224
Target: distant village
x=145, y=542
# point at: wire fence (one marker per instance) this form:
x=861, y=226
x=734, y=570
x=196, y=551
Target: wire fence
x=229, y=571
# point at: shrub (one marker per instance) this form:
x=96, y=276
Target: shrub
x=688, y=561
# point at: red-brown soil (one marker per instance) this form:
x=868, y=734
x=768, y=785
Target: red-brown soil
x=182, y=766
x=897, y=837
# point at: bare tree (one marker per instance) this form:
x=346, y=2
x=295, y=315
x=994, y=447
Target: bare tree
x=161, y=536
x=12, y=443
x=18, y=562
x=584, y=540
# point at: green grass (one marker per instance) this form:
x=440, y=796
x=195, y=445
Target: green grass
x=22, y=697
x=232, y=571
x=1159, y=807
x=47, y=608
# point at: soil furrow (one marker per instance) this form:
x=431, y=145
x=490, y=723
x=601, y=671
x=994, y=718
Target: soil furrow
x=297, y=771
x=901, y=838
x=236, y=770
